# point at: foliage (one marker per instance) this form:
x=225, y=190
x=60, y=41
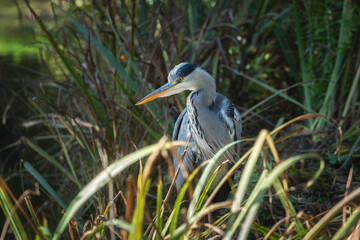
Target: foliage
x=88, y=145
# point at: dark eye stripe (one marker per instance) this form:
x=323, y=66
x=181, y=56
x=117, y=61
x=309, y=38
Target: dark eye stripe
x=186, y=69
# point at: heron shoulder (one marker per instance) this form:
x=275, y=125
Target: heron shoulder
x=228, y=114
x=225, y=107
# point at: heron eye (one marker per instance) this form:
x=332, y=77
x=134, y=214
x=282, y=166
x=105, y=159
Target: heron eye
x=180, y=79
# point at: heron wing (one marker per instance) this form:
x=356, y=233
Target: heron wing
x=221, y=127
x=182, y=132
x=216, y=127
x=232, y=120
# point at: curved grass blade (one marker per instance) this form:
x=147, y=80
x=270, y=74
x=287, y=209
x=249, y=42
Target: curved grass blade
x=287, y=204
x=227, y=176
x=44, y=184
x=15, y=224
x=251, y=200
x=137, y=221
x=207, y=187
x=167, y=224
x=345, y=36
x=271, y=89
x=101, y=180
x=178, y=232
x=245, y=176
x=251, y=109
x=120, y=224
x=159, y=220
x=345, y=229
x=305, y=72
x=246, y=226
x=93, y=103
x=352, y=150
x=264, y=230
x=315, y=230
x=203, y=180
x=104, y=51
x=180, y=197
x=268, y=181
x=354, y=88
x=52, y=161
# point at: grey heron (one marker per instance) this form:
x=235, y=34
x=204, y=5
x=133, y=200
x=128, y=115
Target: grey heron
x=209, y=118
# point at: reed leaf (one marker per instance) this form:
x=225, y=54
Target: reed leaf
x=100, y=180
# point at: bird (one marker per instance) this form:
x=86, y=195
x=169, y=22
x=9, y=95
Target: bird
x=209, y=122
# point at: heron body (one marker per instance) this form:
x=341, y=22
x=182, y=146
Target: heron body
x=209, y=121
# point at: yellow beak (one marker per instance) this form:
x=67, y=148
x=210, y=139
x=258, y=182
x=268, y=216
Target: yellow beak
x=161, y=91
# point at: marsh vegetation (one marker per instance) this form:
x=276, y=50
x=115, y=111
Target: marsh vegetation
x=80, y=160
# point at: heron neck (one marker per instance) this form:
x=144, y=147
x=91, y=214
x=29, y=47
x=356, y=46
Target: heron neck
x=201, y=98
x=197, y=104
x=204, y=88
x=204, y=95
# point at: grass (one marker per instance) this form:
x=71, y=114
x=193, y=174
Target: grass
x=78, y=139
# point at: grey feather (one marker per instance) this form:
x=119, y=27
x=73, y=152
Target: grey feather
x=211, y=129
x=210, y=121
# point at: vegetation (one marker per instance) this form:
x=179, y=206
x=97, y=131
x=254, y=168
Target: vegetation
x=80, y=160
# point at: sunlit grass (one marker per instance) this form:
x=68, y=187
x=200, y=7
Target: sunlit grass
x=101, y=163
x=17, y=48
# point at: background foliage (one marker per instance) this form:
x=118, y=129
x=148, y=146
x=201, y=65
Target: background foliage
x=71, y=72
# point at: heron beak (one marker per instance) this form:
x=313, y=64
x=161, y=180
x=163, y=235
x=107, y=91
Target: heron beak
x=161, y=91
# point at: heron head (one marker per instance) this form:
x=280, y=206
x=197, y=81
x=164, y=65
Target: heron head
x=184, y=76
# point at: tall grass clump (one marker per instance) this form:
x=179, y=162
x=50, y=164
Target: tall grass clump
x=94, y=165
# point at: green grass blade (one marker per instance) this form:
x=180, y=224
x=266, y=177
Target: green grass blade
x=250, y=218
x=352, y=150
x=159, y=220
x=257, y=191
x=287, y=204
x=15, y=224
x=138, y=217
x=263, y=230
x=300, y=235
x=304, y=66
x=315, y=230
x=120, y=224
x=179, y=199
x=345, y=229
x=204, y=179
x=67, y=157
x=96, y=110
x=104, y=51
x=316, y=175
x=101, y=180
x=271, y=89
x=51, y=160
x=178, y=234
x=32, y=213
x=251, y=109
x=266, y=184
x=352, y=94
x=205, y=191
x=344, y=37
x=227, y=176
x=44, y=184
x=168, y=223
x=246, y=174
